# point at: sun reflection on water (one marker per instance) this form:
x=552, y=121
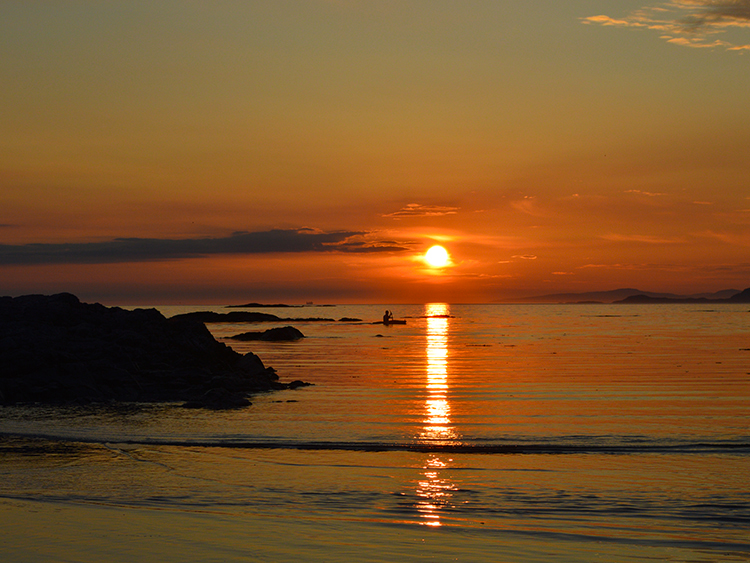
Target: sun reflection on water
x=433, y=489
x=437, y=422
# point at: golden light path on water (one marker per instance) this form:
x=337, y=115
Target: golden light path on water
x=434, y=490
x=437, y=425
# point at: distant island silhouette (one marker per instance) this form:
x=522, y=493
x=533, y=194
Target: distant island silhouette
x=262, y=305
x=631, y=295
x=272, y=306
x=741, y=297
x=244, y=317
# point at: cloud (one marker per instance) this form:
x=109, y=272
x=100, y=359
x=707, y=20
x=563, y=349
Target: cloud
x=721, y=13
x=729, y=238
x=689, y=23
x=530, y=206
x=144, y=249
x=646, y=239
x=418, y=210
x=618, y=266
x=649, y=194
x=606, y=20
x=525, y=256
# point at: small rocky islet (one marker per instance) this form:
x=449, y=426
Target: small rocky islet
x=54, y=349
x=278, y=334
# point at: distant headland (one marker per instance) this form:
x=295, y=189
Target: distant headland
x=741, y=297
x=254, y=305
x=630, y=295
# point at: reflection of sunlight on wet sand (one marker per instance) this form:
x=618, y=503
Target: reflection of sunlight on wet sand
x=433, y=490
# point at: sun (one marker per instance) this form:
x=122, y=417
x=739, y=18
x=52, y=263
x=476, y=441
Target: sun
x=437, y=257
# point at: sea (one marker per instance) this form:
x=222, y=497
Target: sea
x=477, y=433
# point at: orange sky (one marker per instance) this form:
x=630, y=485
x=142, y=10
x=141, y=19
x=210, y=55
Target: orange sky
x=550, y=147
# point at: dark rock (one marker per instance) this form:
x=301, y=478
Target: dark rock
x=296, y=384
x=232, y=317
x=282, y=333
x=243, y=317
x=250, y=362
x=248, y=336
x=55, y=349
x=742, y=297
x=219, y=398
x=349, y=320
x=285, y=333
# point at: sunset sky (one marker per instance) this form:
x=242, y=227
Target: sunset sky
x=277, y=150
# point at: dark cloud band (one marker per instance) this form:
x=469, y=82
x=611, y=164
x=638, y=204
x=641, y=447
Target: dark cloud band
x=149, y=249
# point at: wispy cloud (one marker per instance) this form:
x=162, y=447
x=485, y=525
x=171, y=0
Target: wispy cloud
x=148, y=249
x=637, y=267
x=525, y=256
x=645, y=239
x=689, y=23
x=729, y=238
x=419, y=210
x=649, y=194
x=529, y=205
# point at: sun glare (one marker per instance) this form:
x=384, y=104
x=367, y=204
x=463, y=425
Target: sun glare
x=437, y=257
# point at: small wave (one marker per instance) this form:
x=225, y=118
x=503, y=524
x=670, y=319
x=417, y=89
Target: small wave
x=416, y=447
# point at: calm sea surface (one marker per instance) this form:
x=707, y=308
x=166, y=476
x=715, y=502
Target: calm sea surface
x=472, y=433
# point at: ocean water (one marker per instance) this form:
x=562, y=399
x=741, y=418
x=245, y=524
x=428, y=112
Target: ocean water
x=473, y=433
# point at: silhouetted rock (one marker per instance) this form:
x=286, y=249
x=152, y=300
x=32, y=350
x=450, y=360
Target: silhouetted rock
x=231, y=317
x=272, y=334
x=55, y=349
x=742, y=297
x=218, y=398
x=243, y=317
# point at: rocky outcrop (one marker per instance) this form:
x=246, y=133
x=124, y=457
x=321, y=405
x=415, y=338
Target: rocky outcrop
x=55, y=349
x=243, y=317
x=283, y=333
x=742, y=297
x=231, y=317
